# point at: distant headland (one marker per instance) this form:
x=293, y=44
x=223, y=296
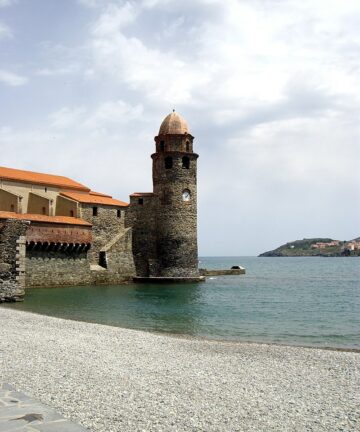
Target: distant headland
x=316, y=247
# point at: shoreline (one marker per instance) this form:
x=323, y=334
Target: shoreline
x=112, y=379
x=198, y=338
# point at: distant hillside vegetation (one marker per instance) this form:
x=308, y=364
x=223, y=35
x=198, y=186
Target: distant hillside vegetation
x=316, y=247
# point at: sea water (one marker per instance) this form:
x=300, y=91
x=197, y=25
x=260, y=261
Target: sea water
x=311, y=301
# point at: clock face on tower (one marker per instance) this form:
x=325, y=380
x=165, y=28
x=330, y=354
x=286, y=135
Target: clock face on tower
x=186, y=195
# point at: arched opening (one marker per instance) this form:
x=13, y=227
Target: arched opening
x=168, y=162
x=162, y=146
x=187, y=146
x=186, y=162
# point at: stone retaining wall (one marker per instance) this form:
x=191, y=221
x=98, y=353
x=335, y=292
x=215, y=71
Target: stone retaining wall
x=12, y=260
x=22, y=266
x=44, y=269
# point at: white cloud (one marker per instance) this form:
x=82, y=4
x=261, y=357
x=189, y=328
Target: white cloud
x=67, y=117
x=91, y=3
x=12, y=79
x=249, y=53
x=115, y=18
x=60, y=70
x=4, y=3
x=111, y=112
x=5, y=31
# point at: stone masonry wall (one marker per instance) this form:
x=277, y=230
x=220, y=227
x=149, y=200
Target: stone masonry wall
x=119, y=259
x=142, y=219
x=106, y=226
x=12, y=259
x=45, y=269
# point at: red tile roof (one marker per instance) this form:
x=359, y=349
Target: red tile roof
x=142, y=194
x=43, y=218
x=91, y=198
x=99, y=194
x=40, y=178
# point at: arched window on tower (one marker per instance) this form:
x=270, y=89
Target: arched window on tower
x=162, y=146
x=168, y=162
x=186, y=162
x=187, y=146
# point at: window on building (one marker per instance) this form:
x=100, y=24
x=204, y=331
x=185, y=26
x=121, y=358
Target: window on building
x=162, y=146
x=95, y=211
x=186, y=162
x=12, y=208
x=118, y=213
x=46, y=189
x=141, y=201
x=103, y=259
x=44, y=210
x=71, y=213
x=168, y=162
x=187, y=146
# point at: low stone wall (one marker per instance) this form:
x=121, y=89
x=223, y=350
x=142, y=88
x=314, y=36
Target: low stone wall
x=44, y=266
x=45, y=269
x=56, y=268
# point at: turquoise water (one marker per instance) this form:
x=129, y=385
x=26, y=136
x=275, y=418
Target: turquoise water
x=303, y=301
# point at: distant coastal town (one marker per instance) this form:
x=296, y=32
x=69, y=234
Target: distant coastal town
x=316, y=247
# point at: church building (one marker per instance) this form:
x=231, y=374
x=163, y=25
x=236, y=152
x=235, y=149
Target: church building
x=55, y=231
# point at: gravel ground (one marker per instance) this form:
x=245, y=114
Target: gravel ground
x=111, y=379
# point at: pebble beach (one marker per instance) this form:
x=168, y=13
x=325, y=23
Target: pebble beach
x=112, y=379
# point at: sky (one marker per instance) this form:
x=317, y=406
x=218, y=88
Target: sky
x=270, y=90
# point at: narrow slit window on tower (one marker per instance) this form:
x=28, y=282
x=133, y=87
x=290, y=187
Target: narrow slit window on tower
x=187, y=146
x=44, y=210
x=118, y=213
x=162, y=146
x=95, y=211
x=141, y=201
x=12, y=208
x=186, y=162
x=168, y=162
x=71, y=213
x=103, y=259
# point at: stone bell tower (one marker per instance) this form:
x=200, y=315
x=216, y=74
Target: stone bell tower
x=174, y=180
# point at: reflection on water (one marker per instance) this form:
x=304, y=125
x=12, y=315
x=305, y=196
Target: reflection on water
x=312, y=301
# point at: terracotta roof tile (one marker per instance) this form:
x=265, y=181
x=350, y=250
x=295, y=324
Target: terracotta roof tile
x=40, y=178
x=43, y=218
x=140, y=194
x=174, y=124
x=99, y=194
x=91, y=198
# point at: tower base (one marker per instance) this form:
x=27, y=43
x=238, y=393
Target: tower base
x=169, y=279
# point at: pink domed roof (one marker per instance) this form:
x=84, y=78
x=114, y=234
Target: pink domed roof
x=174, y=124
